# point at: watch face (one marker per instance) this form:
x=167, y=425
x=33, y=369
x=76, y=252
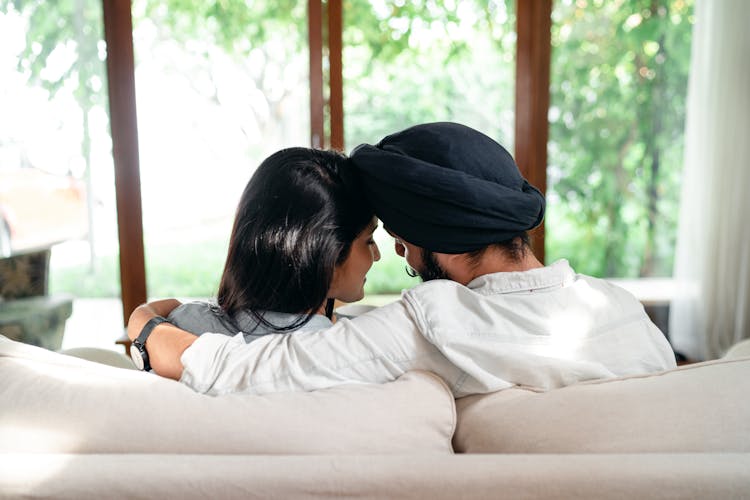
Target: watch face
x=135, y=355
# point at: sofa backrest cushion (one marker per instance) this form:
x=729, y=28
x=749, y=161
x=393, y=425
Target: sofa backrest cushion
x=51, y=403
x=703, y=407
x=739, y=350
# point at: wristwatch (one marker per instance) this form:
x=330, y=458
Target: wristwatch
x=138, y=352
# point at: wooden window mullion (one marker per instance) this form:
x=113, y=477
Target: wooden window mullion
x=118, y=34
x=533, y=58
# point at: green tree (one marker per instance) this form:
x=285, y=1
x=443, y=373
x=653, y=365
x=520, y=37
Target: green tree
x=414, y=62
x=619, y=81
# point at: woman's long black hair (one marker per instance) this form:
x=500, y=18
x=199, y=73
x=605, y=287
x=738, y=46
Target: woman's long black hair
x=296, y=221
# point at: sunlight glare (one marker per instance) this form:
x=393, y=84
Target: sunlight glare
x=569, y=328
x=593, y=298
x=25, y=471
x=566, y=332
x=18, y=436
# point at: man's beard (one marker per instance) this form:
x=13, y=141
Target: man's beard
x=430, y=269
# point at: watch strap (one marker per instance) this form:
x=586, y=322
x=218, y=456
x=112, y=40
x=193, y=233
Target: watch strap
x=140, y=343
x=148, y=328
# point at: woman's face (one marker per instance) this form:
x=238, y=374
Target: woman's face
x=349, y=277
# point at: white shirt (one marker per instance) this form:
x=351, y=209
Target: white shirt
x=541, y=329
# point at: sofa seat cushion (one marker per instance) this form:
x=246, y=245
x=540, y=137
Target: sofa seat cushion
x=52, y=403
x=694, y=408
x=418, y=477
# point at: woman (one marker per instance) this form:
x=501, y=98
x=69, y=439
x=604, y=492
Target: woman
x=302, y=237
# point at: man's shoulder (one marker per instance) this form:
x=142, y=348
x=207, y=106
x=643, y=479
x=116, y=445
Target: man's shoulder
x=429, y=288
x=607, y=287
x=432, y=297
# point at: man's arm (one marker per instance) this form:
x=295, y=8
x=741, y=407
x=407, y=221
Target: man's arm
x=166, y=343
x=373, y=348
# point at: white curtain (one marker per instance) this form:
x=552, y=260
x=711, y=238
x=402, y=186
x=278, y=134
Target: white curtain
x=712, y=262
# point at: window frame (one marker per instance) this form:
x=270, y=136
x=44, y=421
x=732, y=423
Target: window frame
x=533, y=50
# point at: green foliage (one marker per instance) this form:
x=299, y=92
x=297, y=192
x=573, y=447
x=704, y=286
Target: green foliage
x=414, y=62
x=387, y=27
x=54, y=28
x=619, y=81
x=238, y=26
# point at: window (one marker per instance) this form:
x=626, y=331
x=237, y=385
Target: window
x=220, y=86
x=406, y=63
x=56, y=174
x=618, y=89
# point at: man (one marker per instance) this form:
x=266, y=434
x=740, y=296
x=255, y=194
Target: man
x=489, y=315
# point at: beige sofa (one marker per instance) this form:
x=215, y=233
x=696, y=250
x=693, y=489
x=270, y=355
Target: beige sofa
x=71, y=428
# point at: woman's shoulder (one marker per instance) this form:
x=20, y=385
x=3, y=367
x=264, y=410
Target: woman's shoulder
x=277, y=322
x=195, y=308
x=201, y=317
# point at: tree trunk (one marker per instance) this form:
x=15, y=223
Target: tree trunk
x=648, y=264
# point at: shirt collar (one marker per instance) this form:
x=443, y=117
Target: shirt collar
x=557, y=275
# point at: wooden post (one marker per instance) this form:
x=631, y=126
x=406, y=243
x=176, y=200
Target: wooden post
x=533, y=53
x=118, y=34
x=335, y=81
x=315, y=41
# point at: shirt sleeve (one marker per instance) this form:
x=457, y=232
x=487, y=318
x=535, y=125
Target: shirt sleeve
x=376, y=347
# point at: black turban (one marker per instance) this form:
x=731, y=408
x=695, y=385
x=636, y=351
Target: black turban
x=447, y=188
